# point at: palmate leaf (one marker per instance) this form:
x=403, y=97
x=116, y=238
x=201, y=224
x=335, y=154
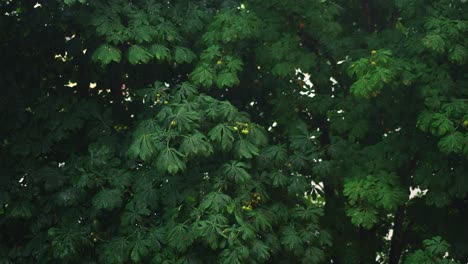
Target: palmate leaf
x=183, y=55
x=434, y=42
x=71, y=2
x=424, y=120
x=167, y=31
x=365, y=217
x=134, y=213
x=278, y=179
x=290, y=238
x=203, y=75
x=160, y=52
x=257, y=135
x=441, y=124
x=365, y=86
x=107, y=54
x=223, y=135
x=211, y=53
x=283, y=69
x=215, y=201
x=276, y=154
x=234, y=255
x=308, y=213
x=418, y=257
x=142, y=33
x=107, y=199
x=226, y=110
x=209, y=232
x=235, y=170
x=453, y=143
x=435, y=251
x=458, y=54
x=184, y=91
x=143, y=146
x=233, y=64
x=355, y=189
x=260, y=250
x=141, y=248
x=180, y=237
x=302, y=139
x=228, y=79
x=313, y=255
x=156, y=236
x=245, y=149
x=436, y=246
x=67, y=242
x=169, y=160
x=21, y=210
x=260, y=220
x=137, y=54
x=297, y=184
x=185, y=119
x=117, y=250
x=196, y=144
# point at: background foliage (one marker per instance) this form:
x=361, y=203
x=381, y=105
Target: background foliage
x=188, y=131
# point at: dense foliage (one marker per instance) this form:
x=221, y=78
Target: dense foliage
x=208, y=131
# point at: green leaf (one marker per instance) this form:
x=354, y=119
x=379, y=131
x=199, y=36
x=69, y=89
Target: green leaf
x=169, y=160
x=434, y=42
x=215, y=201
x=69, y=2
x=143, y=146
x=314, y=255
x=21, y=210
x=441, y=124
x=209, y=231
x=226, y=110
x=245, y=149
x=234, y=65
x=107, y=199
x=196, y=144
x=180, y=237
x=290, y=238
x=203, y=75
x=184, y=91
x=260, y=250
x=183, y=55
x=458, y=54
x=453, y=143
x=236, y=171
x=211, y=53
x=283, y=69
x=160, y=52
x=278, y=179
x=223, y=135
x=137, y=54
x=107, y=54
x=365, y=217
x=276, y=154
x=140, y=249
x=227, y=79
x=260, y=220
x=134, y=213
x=308, y=213
x=234, y=255
x=117, y=250
x=67, y=242
x=436, y=246
x=185, y=118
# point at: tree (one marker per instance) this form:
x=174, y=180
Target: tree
x=233, y=131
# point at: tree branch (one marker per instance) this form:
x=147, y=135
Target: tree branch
x=396, y=246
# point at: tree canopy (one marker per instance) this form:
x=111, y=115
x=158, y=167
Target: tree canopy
x=230, y=131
